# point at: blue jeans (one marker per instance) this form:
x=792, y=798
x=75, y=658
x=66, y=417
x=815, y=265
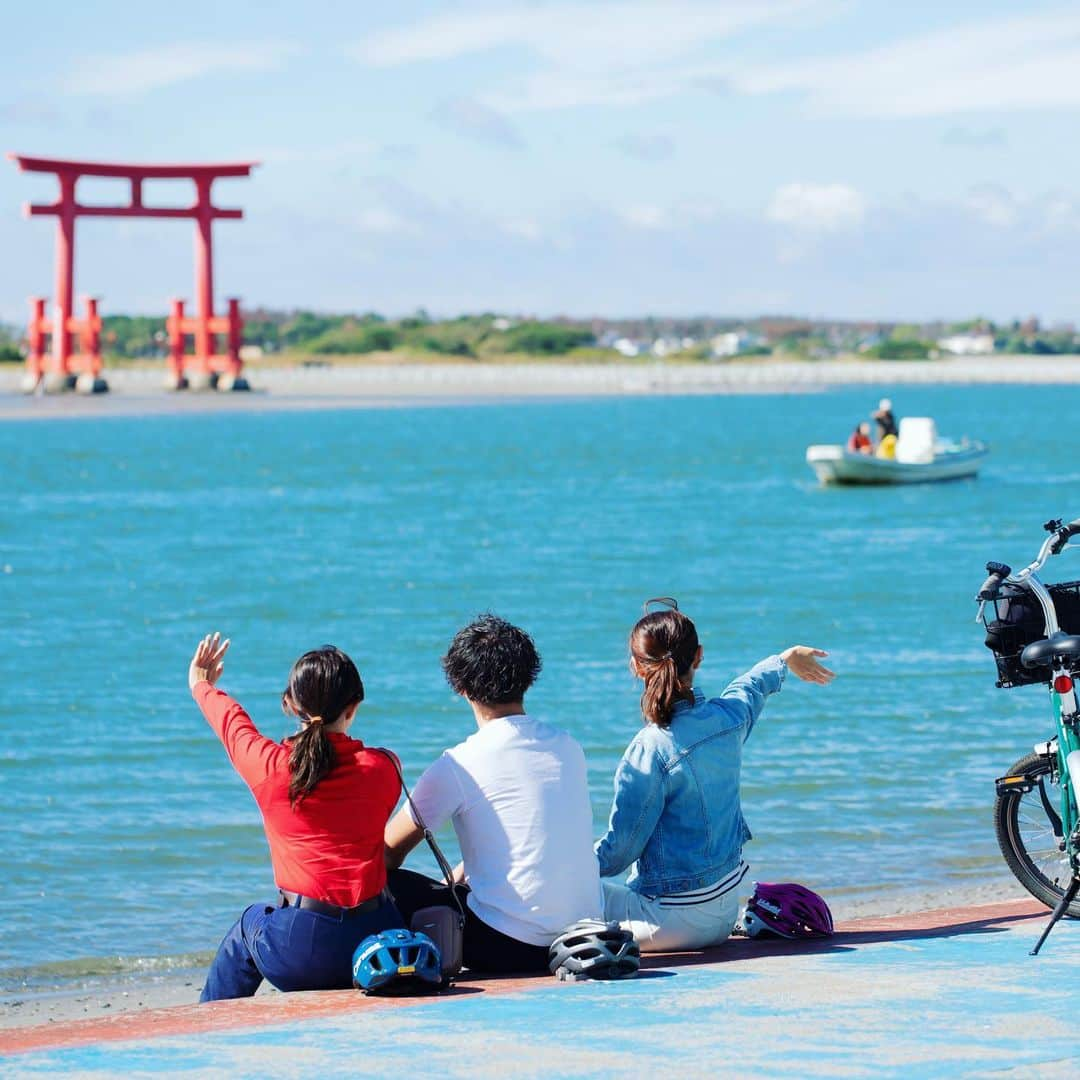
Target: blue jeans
x=292, y=948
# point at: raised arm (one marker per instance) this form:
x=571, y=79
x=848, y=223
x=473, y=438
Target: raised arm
x=252, y=755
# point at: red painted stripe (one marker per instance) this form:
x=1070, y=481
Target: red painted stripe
x=285, y=1008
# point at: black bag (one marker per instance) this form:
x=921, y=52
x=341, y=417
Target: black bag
x=445, y=925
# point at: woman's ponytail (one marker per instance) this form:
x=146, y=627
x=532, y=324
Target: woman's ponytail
x=663, y=646
x=311, y=758
x=323, y=684
x=661, y=692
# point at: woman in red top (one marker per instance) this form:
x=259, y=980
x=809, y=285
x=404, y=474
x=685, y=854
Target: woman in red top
x=325, y=799
x=859, y=440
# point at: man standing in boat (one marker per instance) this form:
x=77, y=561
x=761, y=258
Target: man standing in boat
x=886, y=422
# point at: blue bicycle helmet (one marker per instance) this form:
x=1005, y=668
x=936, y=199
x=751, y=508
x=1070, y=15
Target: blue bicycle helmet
x=397, y=962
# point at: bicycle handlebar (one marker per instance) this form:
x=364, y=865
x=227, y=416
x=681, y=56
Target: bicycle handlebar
x=992, y=585
x=1054, y=544
x=1062, y=535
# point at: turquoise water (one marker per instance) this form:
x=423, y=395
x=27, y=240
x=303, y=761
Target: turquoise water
x=122, y=541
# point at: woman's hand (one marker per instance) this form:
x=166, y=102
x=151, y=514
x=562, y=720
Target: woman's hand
x=206, y=664
x=802, y=662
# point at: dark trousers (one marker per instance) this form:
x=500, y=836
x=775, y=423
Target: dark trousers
x=292, y=948
x=485, y=948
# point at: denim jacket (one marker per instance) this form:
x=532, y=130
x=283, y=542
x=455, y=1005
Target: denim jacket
x=676, y=815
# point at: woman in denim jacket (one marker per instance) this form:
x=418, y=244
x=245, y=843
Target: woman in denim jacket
x=676, y=820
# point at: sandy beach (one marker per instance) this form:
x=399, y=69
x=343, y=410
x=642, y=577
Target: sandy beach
x=378, y=385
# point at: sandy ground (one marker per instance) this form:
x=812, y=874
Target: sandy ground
x=140, y=392
x=118, y=994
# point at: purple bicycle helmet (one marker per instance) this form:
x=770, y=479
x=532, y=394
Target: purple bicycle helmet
x=788, y=910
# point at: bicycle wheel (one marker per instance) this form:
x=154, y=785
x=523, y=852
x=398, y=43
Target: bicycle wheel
x=1025, y=833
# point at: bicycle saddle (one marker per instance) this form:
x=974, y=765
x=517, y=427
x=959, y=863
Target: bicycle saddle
x=1045, y=652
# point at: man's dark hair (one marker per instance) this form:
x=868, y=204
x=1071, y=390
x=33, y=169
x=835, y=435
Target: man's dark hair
x=491, y=661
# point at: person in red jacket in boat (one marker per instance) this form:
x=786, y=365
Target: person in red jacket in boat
x=859, y=440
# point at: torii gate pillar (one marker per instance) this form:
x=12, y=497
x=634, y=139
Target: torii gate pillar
x=65, y=368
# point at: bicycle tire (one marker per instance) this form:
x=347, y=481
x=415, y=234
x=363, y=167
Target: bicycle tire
x=1026, y=836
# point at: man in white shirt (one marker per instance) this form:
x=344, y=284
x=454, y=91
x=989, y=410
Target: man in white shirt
x=517, y=795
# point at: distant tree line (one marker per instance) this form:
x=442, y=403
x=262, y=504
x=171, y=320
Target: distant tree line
x=350, y=335
x=9, y=345
x=483, y=336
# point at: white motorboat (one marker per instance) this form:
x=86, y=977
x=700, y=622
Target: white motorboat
x=920, y=457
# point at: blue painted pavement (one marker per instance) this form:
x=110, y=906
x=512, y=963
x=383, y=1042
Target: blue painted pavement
x=967, y=1000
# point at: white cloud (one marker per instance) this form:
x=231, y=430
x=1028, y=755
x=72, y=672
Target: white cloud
x=524, y=229
x=993, y=205
x=380, y=220
x=614, y=53
x=1061, y=211
x=587, y=36
x=630, y=52
x=1052, y=213
x=135, y=73
x=646, y=217
x=1018, y=62
x=817, y=207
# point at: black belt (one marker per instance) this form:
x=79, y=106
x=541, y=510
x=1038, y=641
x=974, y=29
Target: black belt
x=291, y=899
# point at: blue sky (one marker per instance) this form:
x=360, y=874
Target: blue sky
x=814, y=157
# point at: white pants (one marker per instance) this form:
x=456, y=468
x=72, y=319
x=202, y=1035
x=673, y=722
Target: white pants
x=680, y=921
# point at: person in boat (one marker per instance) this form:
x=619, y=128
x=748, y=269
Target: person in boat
x=676, y=819
x=859, y=441
x=886, y=448
x=325, y=799
x=517, y=794
x=884, y=420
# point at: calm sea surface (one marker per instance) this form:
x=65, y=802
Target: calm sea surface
x=126, y=833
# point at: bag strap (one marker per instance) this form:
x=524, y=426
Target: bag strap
x=440, y=858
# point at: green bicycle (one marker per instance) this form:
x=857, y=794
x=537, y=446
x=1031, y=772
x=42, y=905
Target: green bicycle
x=1033, y=631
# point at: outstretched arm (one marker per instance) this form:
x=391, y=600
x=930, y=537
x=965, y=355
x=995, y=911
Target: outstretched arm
x=745, y=697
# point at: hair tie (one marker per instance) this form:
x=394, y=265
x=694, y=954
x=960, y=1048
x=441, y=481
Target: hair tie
x=666, y=656
x=313, y=720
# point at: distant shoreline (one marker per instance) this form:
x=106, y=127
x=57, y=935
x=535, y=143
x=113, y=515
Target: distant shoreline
x=139, y=391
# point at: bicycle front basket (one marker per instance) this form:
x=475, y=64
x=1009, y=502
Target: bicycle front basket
x=1015, y=619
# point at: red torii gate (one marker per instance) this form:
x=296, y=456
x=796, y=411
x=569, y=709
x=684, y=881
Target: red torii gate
x=209, y=368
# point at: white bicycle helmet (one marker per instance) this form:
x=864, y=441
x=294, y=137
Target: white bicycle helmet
x=593, y=949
